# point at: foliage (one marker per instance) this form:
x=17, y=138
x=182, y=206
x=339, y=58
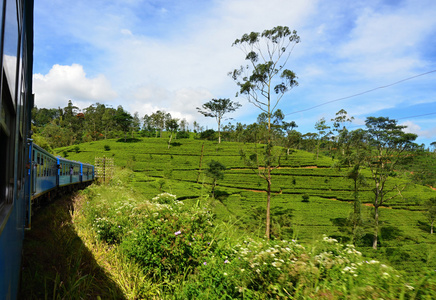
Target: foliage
x=388, y=141
x=208, y=135
x=268, y=52
x=217, y=108
x=430, y=213
x=215, y=171
x=260, y=269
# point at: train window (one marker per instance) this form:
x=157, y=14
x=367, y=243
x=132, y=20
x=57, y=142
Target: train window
x=38, y=164
x=1, y=25
x=11, y=38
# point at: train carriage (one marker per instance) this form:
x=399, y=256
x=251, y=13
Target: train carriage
x=69, y=172
x=44, y=171
x=87, y=172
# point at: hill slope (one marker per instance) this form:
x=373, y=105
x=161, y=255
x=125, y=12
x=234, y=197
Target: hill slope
x=241, y=200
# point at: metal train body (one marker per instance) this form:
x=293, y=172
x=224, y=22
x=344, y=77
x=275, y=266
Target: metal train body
x=50, y=175
x=27, y=172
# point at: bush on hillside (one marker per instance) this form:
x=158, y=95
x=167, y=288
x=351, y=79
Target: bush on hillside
x=183, y=135
x=209, y=134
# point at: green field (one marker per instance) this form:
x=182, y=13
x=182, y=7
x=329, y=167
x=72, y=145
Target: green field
x=241, y=199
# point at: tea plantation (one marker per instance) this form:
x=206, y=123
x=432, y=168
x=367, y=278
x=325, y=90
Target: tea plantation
x=240, y=199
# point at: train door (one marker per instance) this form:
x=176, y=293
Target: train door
x=81, y=173
x=58, y=171
x=34, y=167
x=71, y=173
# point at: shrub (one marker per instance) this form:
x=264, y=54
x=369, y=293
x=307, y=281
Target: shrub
x=107, y=147
x=165, y=198
x=183, y=135
x=305, y=198
x=261, y=269
x=208, y=135
x=171, y=239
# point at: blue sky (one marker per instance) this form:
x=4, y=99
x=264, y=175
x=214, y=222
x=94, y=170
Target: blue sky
x=175, y=55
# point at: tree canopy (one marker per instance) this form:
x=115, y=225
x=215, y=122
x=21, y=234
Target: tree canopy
x=217, y=108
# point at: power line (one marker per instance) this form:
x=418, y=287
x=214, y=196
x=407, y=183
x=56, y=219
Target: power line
x=433, y=113
x=358, y=94
x=416, y=116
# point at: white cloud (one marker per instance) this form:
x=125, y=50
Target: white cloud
x=387, y=41
x=180, y=104
x=126, y=32
x=63, y=83
x=416, y=129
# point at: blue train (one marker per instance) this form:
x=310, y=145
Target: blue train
x=28, y=173
x=50, y=176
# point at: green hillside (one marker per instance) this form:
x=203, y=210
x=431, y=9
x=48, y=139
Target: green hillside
x=240, y=198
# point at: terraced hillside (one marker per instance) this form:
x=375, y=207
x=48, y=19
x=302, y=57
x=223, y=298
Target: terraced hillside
x=240, y=196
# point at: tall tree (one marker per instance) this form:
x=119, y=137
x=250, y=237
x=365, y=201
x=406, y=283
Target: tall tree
x=71, y=122
x=215, y=171
x=354, y=146
x=266, y=80
x=183, y=125
x=43, y=116
x=433, y=144
x=387, y=142
x=322, y=135
x=339, y=127
x=107, y=121
x=135, y=126
x=171, y=126
x=217, y=108
x=123, y=120
x=158, y=120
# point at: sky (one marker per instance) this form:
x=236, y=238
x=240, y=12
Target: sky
x=369, y=57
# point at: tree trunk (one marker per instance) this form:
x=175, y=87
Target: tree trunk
x=213, y=188
x=431, y=229
x=356, y=211
x=317, y=150
x=219, y=131
x=169, y=142
x=201, y=160
x=268, y=204
x=374, y=243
